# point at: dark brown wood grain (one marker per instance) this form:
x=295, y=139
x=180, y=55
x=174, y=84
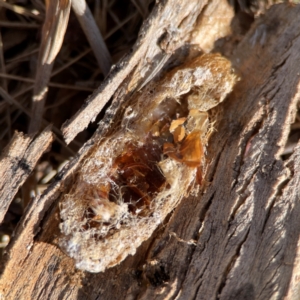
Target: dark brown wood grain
x=238, y=238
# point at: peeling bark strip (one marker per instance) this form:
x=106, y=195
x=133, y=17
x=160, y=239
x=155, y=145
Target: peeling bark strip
x=239, y=240
x=17, y=162
x=160, y=36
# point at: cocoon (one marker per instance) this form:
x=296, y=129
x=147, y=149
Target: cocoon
x=139, y=173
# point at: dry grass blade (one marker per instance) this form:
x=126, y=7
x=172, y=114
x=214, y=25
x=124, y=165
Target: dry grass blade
x=120, y=25
x=23, y=55
x=141, y=7
x=2, y=64
x=12, y=101
x=57, y=16
x=99, y=14
x=93, y=34
x=54, y=84
x=55, y=72
x=72, y=61
x=4, y=84
x=21, y=10
x=19, y=25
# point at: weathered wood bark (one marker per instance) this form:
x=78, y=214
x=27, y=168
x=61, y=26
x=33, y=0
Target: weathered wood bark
x=17, y=162
x=238, y=239
x=157, y=40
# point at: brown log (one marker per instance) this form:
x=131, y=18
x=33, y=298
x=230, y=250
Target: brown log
x=237, y=239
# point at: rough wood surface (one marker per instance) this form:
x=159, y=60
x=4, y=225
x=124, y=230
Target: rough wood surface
x=238, y=239
x=17, y=162
x=168, y=28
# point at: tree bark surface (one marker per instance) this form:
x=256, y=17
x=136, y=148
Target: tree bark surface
x=237, y=239
x=17, y=162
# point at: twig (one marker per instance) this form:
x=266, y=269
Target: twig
x=53, y=84
x=22, y=55
x=11, y=100
x=19, y=25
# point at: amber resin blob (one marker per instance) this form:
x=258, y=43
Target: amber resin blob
x=138, y=174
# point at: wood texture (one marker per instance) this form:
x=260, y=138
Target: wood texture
x=160, y=36
x=17, y=162
x=238, y=239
